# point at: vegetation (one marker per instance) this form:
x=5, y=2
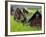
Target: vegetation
x=18, y=26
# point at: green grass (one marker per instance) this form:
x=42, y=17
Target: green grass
x=18, y=26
